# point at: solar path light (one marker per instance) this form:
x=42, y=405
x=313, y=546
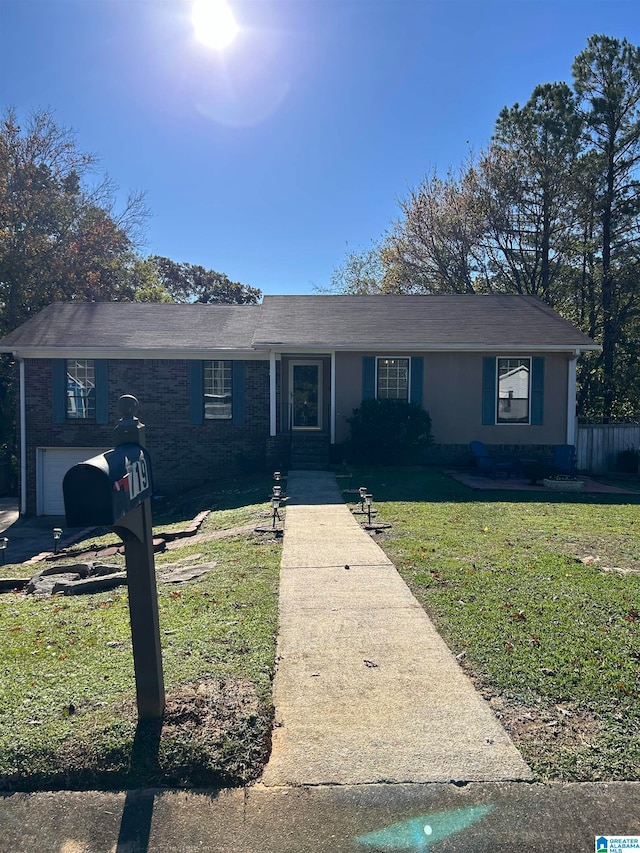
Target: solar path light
x=368, y=499
x=57, y=533
x=275, y=503
x=3, y=547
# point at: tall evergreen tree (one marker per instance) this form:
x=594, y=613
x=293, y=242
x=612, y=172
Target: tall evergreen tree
x=528, y=183
x=607, y=82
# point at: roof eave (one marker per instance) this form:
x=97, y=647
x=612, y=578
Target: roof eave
x=261, y=351
x=422, y=347
x=164, y=353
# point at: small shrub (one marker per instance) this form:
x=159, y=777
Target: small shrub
x=247, y=463
x=627, y=461
x=388, y=432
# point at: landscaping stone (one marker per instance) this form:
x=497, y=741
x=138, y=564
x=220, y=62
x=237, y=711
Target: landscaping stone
x=87, y=578
x=75, y=578
x=564, y=485
x=179, y=574
x=81, y=569
x=44, y=584
x=11, y=584
x=85, y=586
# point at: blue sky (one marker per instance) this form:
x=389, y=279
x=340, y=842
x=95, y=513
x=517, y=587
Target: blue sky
x=272, y=160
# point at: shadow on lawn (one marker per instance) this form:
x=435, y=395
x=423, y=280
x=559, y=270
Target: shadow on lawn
x=433, y=486
x=230, y=494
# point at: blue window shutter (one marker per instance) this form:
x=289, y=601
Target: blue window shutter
x=101, y=368
x=59, y=389
x=488, y=390
x=368, y=377
x=196, y=392
x=237, y=391
x=417, y=375
x=537, y=391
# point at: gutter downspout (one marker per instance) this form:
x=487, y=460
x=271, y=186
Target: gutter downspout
x=23, y=438
x=571, y=397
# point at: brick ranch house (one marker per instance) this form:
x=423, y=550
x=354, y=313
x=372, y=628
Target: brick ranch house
x=224, y=388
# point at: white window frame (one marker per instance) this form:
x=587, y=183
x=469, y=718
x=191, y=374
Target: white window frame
x=217, y=410
x=394, y=358
x=520, y=358
x=85, y=393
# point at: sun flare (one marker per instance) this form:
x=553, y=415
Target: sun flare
x=214, y=23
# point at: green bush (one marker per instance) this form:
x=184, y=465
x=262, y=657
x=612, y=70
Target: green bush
x=388, y=432
x=627, y=461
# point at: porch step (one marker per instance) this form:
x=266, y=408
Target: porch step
x=310, y=450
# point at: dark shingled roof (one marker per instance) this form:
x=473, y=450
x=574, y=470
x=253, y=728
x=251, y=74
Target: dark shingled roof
x=138, y=325
x=303, y=322
x=454, y=320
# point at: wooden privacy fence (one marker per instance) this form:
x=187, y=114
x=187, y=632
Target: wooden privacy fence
x=598, y=445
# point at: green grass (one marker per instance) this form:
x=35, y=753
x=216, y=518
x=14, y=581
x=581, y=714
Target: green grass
x=552, y=641
x=67, y=695
x=556, y=640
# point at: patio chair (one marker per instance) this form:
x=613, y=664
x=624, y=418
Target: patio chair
x=564, y=459
x=492, y=465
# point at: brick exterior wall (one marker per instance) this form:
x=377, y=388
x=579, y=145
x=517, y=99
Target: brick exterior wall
x=183, y=455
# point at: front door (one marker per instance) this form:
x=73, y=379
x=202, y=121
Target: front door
x=305, y=384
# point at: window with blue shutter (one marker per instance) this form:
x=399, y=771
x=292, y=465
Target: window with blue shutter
x=392, y=378
x=216, y=391
x=513, y=390
x=80, y=390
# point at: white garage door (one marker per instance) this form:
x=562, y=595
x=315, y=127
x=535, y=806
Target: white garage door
x=52, y=464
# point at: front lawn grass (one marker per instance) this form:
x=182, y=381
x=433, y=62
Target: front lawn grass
x=522, y=589
x=67, y=695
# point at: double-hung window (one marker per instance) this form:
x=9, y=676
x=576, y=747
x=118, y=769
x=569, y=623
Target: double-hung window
x=218, y=390
x=392, y=379
x=514, y=391
x=81, y=389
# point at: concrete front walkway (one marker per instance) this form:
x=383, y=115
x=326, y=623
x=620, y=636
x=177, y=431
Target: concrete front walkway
x=365, y=689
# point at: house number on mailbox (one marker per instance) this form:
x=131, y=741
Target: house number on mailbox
x=138, y=477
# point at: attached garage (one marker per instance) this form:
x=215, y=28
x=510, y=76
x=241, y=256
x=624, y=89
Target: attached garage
x=52, y=463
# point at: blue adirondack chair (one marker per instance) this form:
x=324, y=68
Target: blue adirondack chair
x=564, y=459
x=490, y=465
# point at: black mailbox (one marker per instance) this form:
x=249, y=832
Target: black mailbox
x=105, y=488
